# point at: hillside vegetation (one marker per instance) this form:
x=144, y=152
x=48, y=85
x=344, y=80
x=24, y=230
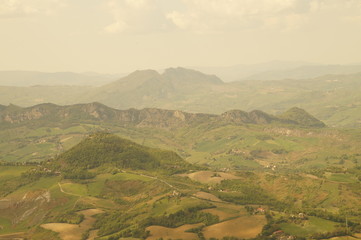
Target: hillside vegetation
x=103, y=148
x=138, y=192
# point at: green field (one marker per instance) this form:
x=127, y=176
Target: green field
x=310, y=226
x=342, y=177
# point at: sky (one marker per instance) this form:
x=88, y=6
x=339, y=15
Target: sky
x=116, y=36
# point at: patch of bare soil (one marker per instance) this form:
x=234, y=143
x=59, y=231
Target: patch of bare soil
x=210, y=177
x=242, y=227
x=74, y=231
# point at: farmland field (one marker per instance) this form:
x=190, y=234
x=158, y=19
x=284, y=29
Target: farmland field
x=313, y=225
x=74, y=231
x=242, y=227
x=157, y=232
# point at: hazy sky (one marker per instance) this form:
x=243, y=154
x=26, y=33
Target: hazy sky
x=123, y=35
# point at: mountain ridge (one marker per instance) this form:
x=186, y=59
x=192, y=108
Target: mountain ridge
x=145, y=117
x=149, y=89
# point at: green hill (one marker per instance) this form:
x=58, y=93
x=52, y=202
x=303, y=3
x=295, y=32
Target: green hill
x=104, y=148
x=301, y=117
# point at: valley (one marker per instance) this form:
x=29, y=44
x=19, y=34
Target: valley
x=245, y=175
x=180, y=120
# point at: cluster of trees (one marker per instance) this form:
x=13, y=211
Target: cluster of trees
x=10, y=185
x=70, y=217
x=133, y=224
x=188, y=216
x=113, y=222
x=243, y=193
x=13, y=183
x=73, y=173
x=327, y=235
x=19, y=163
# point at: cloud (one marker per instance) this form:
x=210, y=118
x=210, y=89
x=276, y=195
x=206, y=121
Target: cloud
x=204, y=16
x=24, y=8
x=136, y=16
x=218, y=16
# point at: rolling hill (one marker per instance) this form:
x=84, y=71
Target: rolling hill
x=247, y=175
x=301, y=117
x=103, y=148
x=106, y=199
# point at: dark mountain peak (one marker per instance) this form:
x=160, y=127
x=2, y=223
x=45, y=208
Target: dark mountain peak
x=93, y=105
x=297, y=110
x=48, y=113
x=181, y=70
x=136, y=81
x=294, y=116
x=184, y=75
x=12, y=107
x=260, y=117
x=43, y=106
x=94, y=110
x=237, y=116
x=301, y=117
x=165, y=118
x=255, y=117
x=143, y=74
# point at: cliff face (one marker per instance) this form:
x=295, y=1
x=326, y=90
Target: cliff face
x=99, y=112
x=148, y=117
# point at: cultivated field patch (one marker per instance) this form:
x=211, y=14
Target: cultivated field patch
x=311, y=226
x=225, y=211
x=210, y=177
x=19, y=235
x=242, y=227
x=157, y=232
x=207, y=196
x=74, y=231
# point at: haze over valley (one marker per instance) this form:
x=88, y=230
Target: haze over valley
x=193, y=91
x=182, y=119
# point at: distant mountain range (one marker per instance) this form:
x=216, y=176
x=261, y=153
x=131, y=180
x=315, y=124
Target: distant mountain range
x=278, y=70
x=274, y=70
x=47, y=114
x=32, y=78
x=335, y=99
